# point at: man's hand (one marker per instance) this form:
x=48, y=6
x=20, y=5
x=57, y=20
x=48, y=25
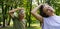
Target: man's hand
x=20, y=8
x=16, y=10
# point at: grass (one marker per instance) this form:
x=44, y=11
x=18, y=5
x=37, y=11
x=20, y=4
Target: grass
x=33, y=26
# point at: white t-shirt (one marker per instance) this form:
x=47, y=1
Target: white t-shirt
x=52, y=22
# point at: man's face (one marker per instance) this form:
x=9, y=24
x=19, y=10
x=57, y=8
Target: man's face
x=21, y=14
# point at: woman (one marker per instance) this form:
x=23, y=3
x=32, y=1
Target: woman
x=47, y=16
x=18, y=19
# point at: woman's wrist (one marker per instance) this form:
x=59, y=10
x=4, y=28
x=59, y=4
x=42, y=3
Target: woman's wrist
x=39, y=5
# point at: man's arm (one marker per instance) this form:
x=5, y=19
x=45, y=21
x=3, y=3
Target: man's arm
x=11, y=12
x=33, y=12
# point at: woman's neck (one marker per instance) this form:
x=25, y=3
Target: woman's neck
x=52, y=14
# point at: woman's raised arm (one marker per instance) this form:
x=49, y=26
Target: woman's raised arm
x=33, y=12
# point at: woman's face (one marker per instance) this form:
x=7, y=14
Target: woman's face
x=48, y=10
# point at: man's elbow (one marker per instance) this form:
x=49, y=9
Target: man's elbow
x=32, y=12
x=10, y=12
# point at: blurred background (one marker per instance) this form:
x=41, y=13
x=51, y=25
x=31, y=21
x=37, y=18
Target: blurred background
x=31, y=23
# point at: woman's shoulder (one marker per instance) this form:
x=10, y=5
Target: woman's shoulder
x=58, y=16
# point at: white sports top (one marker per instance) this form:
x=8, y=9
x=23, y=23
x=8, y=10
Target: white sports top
x=52, y=22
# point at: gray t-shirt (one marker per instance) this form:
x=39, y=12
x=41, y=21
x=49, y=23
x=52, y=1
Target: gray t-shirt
x=52, y=22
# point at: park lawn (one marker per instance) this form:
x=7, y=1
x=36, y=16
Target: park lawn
x=33, y=26
x=27, y=28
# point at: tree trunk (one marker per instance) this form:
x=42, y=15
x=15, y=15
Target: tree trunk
x=3, y=14
x=9, y=17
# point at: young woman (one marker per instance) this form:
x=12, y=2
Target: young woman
x=48, y=18
x=18, y=19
